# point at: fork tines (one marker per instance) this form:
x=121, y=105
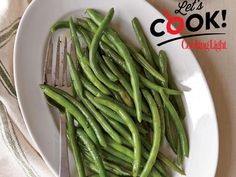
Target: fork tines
x=55, y=69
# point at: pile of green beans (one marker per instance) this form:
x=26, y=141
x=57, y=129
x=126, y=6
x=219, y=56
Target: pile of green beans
x=125, y=103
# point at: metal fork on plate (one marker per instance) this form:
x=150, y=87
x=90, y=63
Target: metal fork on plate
x=56, y=74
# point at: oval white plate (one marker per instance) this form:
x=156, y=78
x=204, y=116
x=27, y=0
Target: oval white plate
x=28, y=61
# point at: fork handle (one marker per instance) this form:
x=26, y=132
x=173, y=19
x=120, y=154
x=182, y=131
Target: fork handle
x=64, y=162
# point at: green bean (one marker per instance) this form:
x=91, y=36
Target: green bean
x=123, y=50
x=170, y=129
x=83, y=23
x=126, y=98
x=93, y=51
x=94, y=27
x=104, y=109
x=142, y=61
x=115, y=56
x=116, y=96
x=123, y=131
x=158, y=88
x=146, y=155
x=87, y=38
x=119, y=128
x=91, y=120
x=121, y=78
x=59, y=25
x=49, y=91
x=107, y=71
x=92, y=167
x=157, y=165
x=155, y=56
x=118, y=154
x=102, y=77
x=51, y=102
x=160, y=167
x=132, y=71
x=145, y=108
x=85, y=151
x=170, y=164
x=155, y=173
x=128, y=155
x=133, y=129
x=120, y=148
x=180, y=157
x=110, y=52
x=147, y=50
x=75, y=38
x=101, y=119
x=93, y=151
x=171, y=134
x=157, y=98
x=163, y=64
x=86, y=52
x=180, y=129
x=178, y=100
x=127, y=143
x=123, y=155
x=62, y=24
x=74, y=146
x=90, y=75
x=74, y=76
x=142, y=130
x=84, y=62
x=128, y=103
x=147, y=148
x=98, y=34
x=95, y=16
x=162, y=115
x=142, y=40
x=157, y=134
x=111, y=158
x=110, y=168
x=129, y=110
x=116, y=169
x=109, y=174
x=93, y=175
x=89, y=86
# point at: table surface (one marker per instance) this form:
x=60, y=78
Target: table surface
x=219, y=69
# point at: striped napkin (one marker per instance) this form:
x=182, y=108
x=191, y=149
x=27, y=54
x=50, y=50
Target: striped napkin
x=19, y=156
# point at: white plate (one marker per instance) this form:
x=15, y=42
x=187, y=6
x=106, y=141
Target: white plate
x=28, y=61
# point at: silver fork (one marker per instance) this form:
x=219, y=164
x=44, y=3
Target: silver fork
x=56, y=74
